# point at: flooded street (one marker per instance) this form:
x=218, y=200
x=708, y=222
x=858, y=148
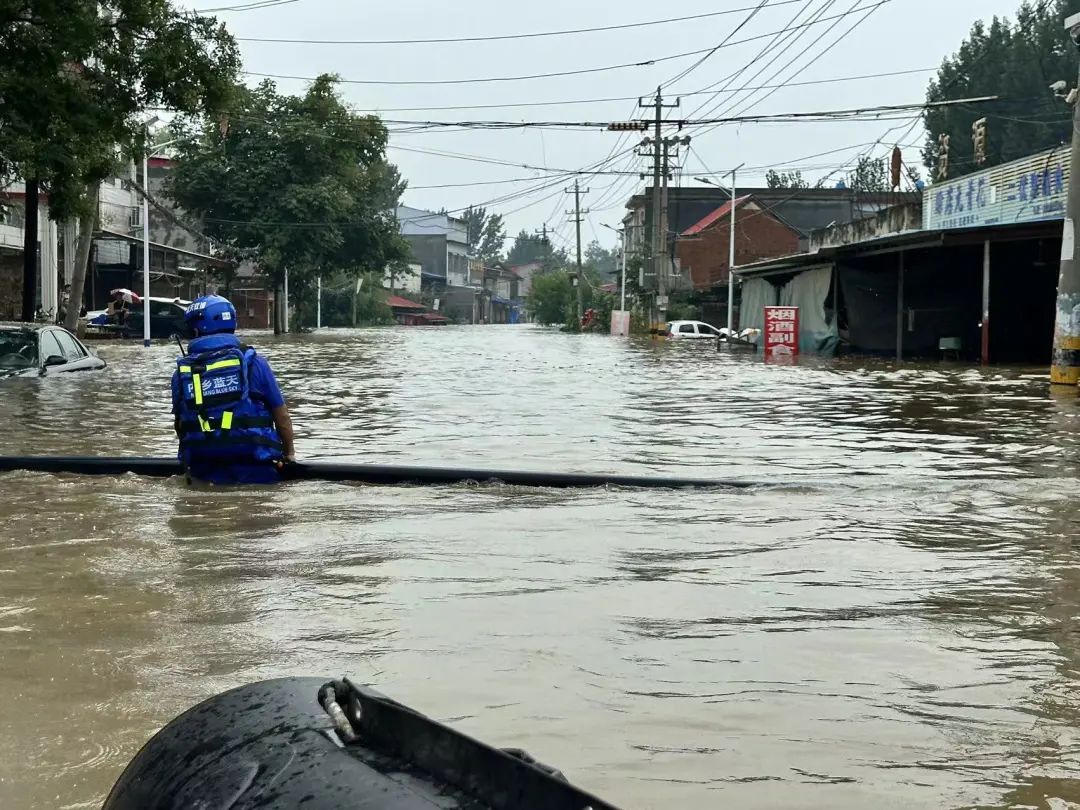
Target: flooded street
x=891, y=623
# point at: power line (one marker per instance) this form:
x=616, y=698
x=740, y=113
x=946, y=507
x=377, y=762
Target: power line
x=868, y=11
x=253, y=6
x=529, y=77
x=498, y=37
x=723, y=42
x=728, y=80
x=520, y=104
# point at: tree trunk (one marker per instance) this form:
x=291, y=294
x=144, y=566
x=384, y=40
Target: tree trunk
x=87, y=224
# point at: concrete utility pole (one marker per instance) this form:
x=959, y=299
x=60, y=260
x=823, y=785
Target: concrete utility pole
x=578, y=216
x=659, y=229
x=1065, y=368
x=542, y=233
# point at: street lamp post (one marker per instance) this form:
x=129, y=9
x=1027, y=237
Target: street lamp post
x=731, y=246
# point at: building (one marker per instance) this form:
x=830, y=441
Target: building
x=703, y=249
x=439, y=244
x=970, y=273
x=177, y=270
x=406, y=280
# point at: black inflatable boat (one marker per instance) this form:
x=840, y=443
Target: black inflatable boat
x=306, y=744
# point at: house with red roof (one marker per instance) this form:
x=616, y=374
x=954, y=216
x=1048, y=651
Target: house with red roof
x=760, y=233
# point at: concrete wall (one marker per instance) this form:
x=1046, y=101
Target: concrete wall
x=429, y=252
x=758, y=236
x=898, y=219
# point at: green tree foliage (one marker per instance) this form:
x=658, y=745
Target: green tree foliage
x=870, y=175
x=75, y=80
x=1017, y=61
x=486, y=234
x=792, y=179
x=76, y=77
x=553, y=300
x=298, y=183
x=529, y=247
x=602, y=262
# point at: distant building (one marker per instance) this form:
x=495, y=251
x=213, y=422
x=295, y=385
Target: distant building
x=703, y=249
x=439, y=244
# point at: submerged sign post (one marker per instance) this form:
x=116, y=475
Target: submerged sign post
x=781, y=333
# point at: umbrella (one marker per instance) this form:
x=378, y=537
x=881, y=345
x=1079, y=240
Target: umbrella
x=129, y=296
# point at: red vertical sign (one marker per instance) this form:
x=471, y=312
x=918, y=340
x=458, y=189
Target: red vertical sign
x=781, y=332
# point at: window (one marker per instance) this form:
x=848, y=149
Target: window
x=686, y=329
x=163, y=309
x=71, y=349
x=49, y=346
x=17, y=349
x=705, y=329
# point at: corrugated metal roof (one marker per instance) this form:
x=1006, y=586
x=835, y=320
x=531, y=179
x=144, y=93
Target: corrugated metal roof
x=714, y=217
x=397, y=302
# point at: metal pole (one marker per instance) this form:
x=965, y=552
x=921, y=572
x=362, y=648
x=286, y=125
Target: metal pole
x=318, y=302
x=986, y=304
x=1065, y=368
x=146, y=249
x=731, y=262
x=285, y=301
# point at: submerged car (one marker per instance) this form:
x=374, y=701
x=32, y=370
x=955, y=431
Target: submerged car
x=693, y=330
x=33, y=349
x=166, y=320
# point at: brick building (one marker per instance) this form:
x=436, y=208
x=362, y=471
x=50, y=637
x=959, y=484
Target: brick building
x=702, y=248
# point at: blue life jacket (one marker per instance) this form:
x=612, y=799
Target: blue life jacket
x=220, y=421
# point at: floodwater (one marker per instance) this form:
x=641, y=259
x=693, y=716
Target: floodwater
x=894, y=621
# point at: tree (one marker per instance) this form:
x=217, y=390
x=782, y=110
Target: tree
x=529, y=247
x=552, y=297
x=486, y=234
x=1016, y=62
x=297, y=183
x=870, y=175
x=553, y=300
x=792, y=179
x=75, y=81
x=602, y=262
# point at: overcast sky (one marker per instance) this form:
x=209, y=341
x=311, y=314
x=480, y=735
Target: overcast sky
x=897, y=35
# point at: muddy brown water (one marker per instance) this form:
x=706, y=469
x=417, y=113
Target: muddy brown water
x=892, y=623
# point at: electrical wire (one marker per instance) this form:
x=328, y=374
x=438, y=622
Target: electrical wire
x=253, y=6
x=528, y=77
x=683, y=74
x=500, y=37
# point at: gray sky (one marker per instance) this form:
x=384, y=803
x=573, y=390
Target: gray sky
x=900, y=35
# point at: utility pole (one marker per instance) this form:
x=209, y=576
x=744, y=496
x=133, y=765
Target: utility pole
x=578, y=216
x=1065, y=368
x=30, y=251
x=542, y=233
x=659, y=236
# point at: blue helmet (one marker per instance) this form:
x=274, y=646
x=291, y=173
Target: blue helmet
x=210, y=315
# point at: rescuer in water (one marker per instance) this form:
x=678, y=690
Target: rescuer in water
x=230, y=415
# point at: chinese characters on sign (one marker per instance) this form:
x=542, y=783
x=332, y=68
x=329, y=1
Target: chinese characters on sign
x=1025, y=190
x=781, y=332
